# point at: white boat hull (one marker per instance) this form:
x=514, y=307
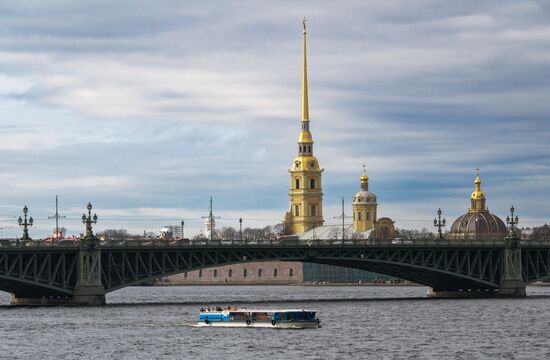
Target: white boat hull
x=262, y=324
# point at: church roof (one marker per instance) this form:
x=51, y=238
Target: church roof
x=329, y=231
x=479, y=223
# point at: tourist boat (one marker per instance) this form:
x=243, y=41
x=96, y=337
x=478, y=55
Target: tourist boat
x=264, y=318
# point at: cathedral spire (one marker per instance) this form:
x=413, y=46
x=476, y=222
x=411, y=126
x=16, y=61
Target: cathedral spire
x=305, y=140
x=364, y=179
x=305, y=105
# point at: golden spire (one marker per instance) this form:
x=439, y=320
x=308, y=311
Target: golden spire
x=478, y=197
x=364, y=180
x=305, y=136
x=305, y=105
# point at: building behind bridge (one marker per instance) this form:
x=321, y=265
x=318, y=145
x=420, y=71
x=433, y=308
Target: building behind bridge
x=276, y=272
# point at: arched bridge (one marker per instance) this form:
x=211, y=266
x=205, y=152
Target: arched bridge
x=80, y=274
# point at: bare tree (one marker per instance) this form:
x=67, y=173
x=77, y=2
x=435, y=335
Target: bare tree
x=114, y=234
x=414, y=234
x=541, y=233
x=228, y=233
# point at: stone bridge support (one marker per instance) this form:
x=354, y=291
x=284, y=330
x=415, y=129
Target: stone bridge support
x=89, y=289
x=512, y=283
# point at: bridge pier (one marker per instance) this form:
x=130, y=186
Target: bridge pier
x=462, y=294
x=512, y=283
x=89, y=288
x=89, y=295
x=44, y=300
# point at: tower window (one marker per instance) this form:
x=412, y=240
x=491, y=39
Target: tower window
x=297, y=183
x=215, y=273
x=259, y=273
x=313, y=210
x=296, y=210
x=312, y=184
x=309, y=148
x=230, y=273
x=300, y=148
x=359, y=216
x=290, y=272
x=245, y=273
x=368, y=215
x=200, y=273
x=274, y=272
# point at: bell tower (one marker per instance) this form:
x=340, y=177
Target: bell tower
x=364, y=206
x=306, y=195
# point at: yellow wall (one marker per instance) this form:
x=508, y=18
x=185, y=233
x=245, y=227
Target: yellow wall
x=304, y=169
x=364, y=217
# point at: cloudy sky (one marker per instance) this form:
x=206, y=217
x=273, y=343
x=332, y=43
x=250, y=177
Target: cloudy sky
x=147, y=109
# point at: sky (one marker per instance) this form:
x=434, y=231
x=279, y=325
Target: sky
x=147, y=109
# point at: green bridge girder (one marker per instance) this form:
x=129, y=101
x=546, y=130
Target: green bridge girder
x=52, y=271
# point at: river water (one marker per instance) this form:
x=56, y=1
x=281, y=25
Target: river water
x=358, y=322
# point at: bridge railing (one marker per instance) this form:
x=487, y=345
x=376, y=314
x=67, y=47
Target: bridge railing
x=272, y=243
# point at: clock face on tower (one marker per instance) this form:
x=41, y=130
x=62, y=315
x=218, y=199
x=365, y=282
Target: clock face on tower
x=297, y=164
x=312, y=164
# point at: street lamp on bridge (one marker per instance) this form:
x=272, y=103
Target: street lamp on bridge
x=241, y=229
x=512, y=221
x=182, y=231
x=89, y=220
x=439, y=223
x=25, y=223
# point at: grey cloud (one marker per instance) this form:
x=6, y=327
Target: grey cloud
x=165, y=105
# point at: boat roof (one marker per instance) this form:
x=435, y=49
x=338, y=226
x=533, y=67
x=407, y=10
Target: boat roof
x=258, y=310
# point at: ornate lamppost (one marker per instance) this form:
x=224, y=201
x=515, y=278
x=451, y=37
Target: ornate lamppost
x=512, y=221
x=241, y=229
x=89, y=220
x=25, y=223
x=182, y=232
x=439, y=223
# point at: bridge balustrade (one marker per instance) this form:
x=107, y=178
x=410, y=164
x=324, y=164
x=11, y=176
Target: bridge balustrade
x=154, y=243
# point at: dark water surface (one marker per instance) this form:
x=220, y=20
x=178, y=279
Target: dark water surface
x=357, y=323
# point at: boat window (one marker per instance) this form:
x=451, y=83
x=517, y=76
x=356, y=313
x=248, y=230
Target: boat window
x=237, y=316
x=261, y=316
x=301, y=315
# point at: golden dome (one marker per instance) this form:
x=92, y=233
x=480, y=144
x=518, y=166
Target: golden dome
x=477, y=194
x=364, y=178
